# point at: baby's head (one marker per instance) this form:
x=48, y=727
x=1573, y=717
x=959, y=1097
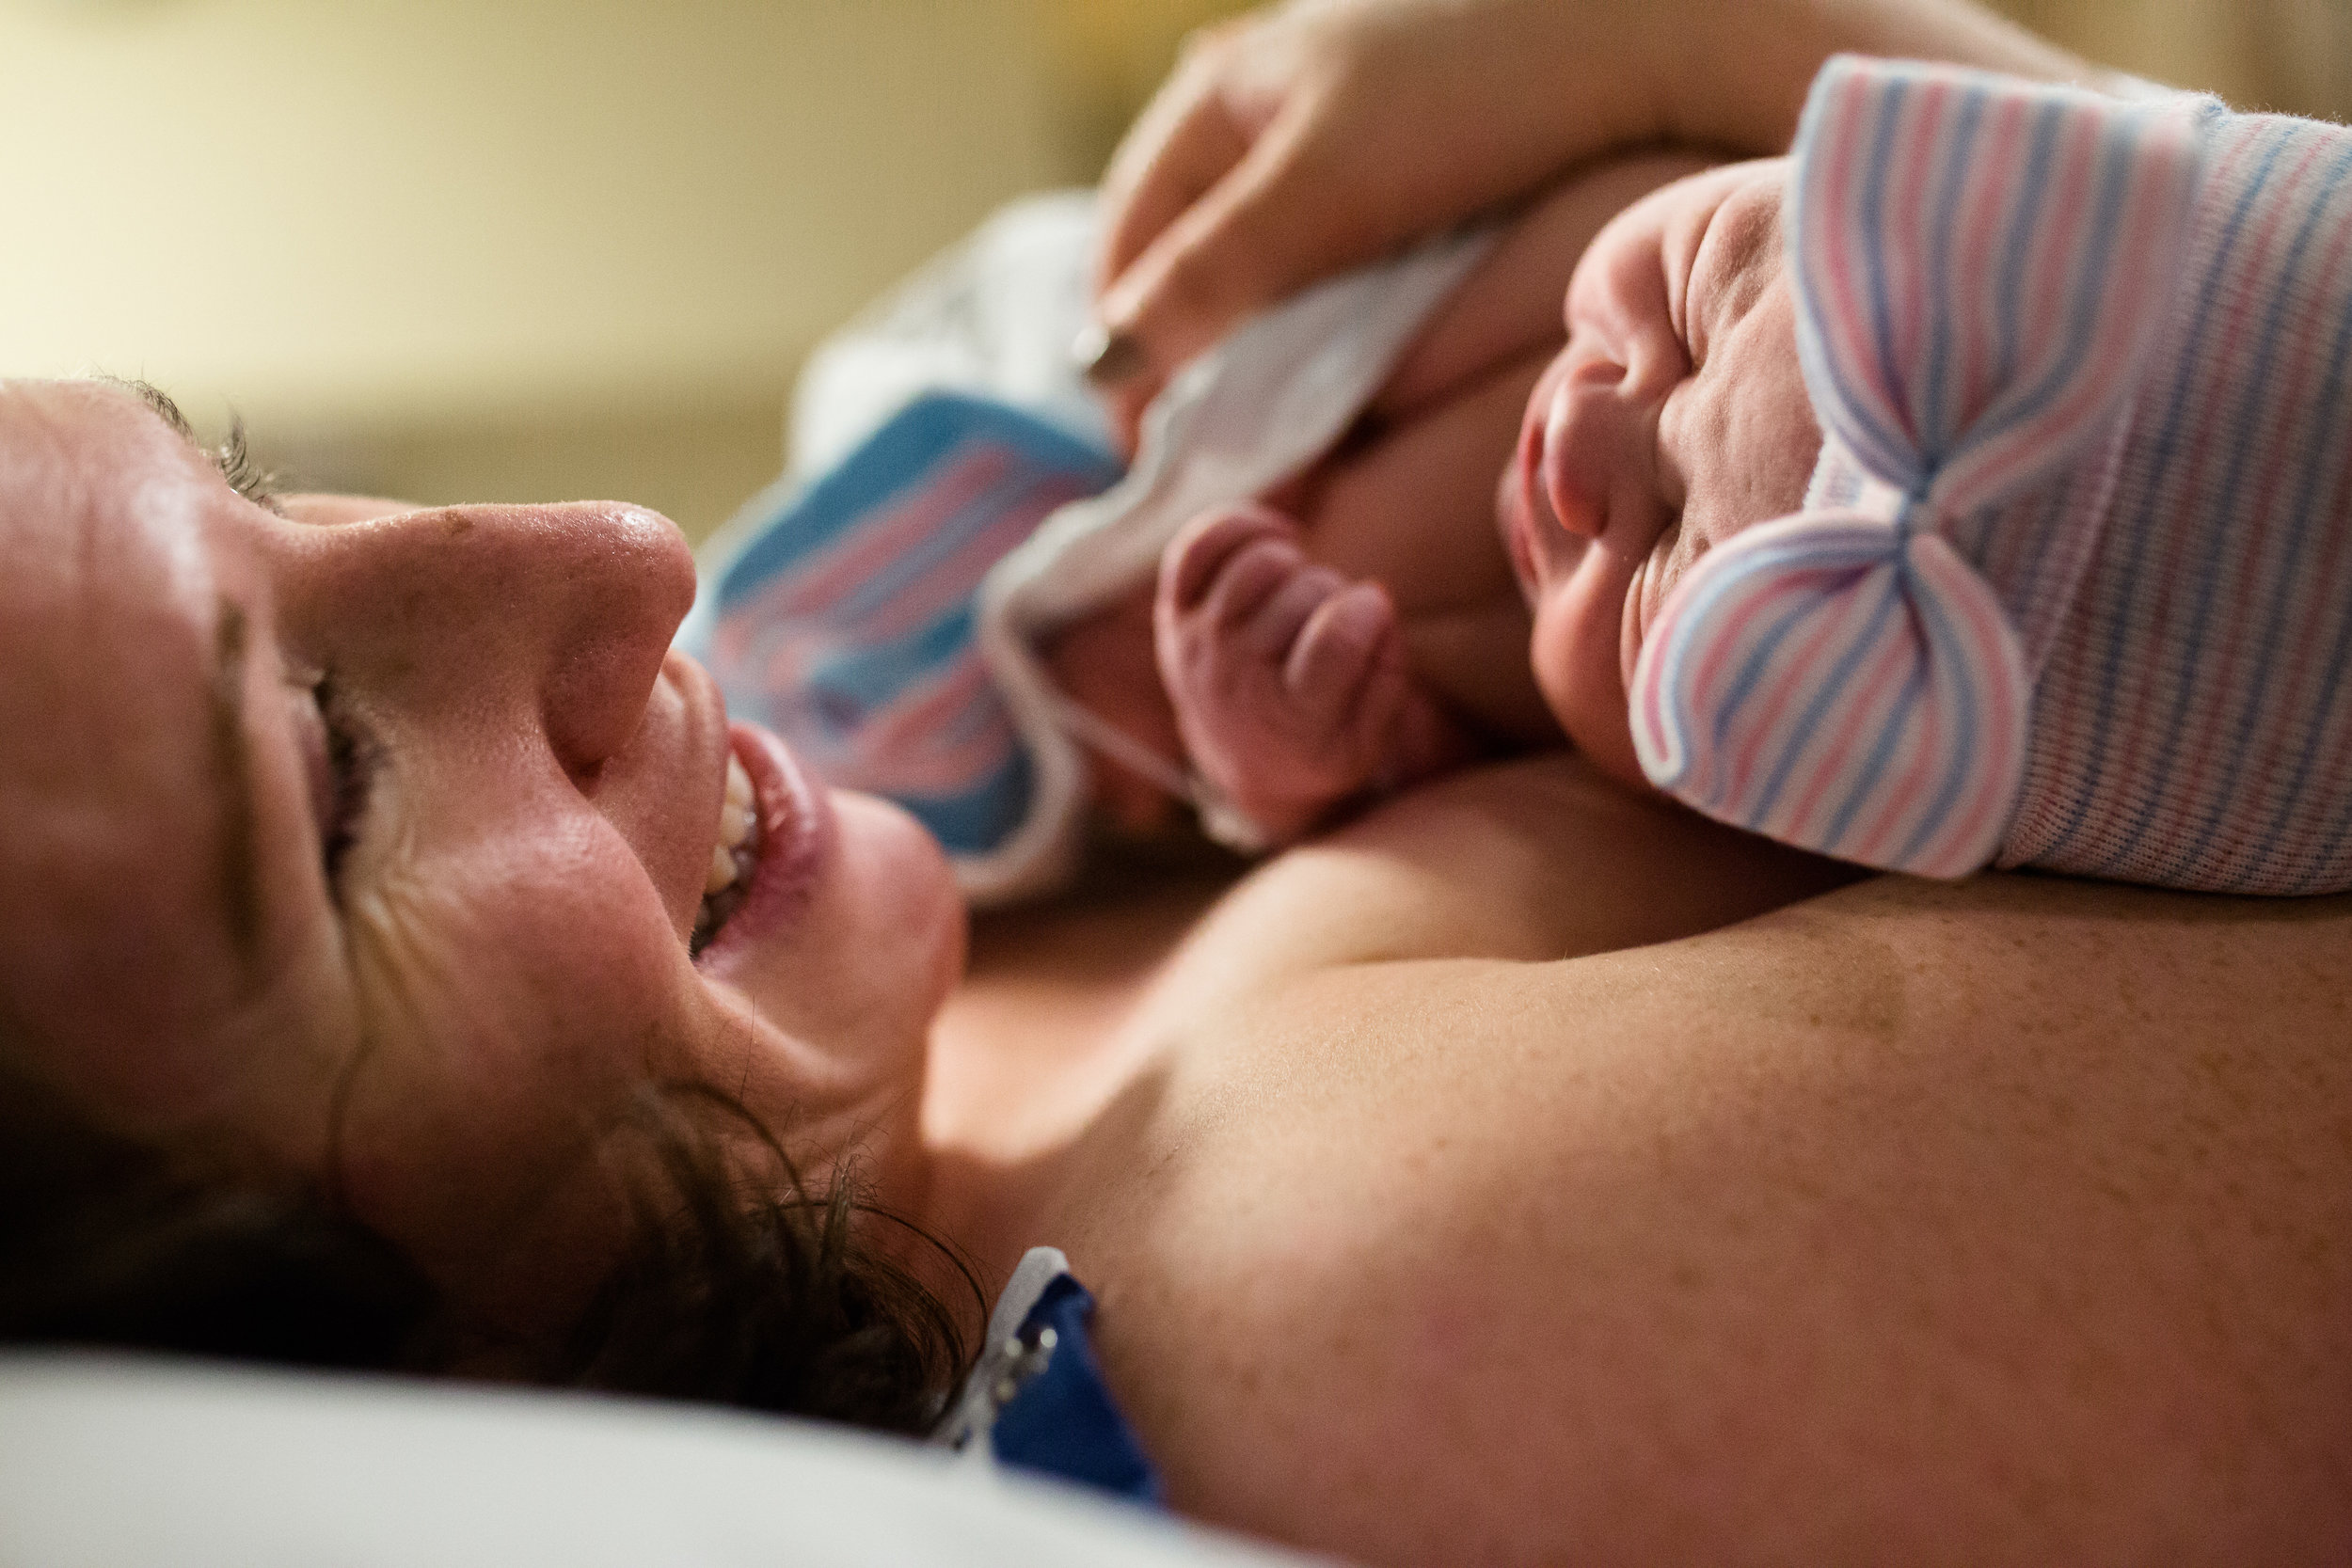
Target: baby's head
x=1818, y=484
x=1675, y=416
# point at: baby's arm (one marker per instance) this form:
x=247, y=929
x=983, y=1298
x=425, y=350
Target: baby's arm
x=1290, y=681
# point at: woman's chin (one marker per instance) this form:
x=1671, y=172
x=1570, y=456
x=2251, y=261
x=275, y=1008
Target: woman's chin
x=856, y=967
x=895, y=876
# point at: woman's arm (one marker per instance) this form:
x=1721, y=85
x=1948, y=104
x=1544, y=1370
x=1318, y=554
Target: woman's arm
x=1308, y=137
x=2001, y=1221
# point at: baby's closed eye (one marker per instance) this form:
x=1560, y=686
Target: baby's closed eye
x=1737, y=257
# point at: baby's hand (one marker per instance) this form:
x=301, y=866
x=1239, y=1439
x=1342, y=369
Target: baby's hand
x=1289, y=682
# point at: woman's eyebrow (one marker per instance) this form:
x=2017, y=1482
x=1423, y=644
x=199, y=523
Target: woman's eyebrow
x=231, y=459
x=232, y=779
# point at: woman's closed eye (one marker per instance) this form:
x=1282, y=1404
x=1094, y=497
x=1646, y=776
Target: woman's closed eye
x=340, y=763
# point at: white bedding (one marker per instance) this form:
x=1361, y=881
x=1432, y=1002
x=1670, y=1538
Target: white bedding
x=123, y=1462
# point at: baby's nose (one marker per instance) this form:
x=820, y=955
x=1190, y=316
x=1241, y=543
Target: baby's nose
x=1591, y=437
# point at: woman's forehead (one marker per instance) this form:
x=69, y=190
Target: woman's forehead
x=95, y=487
x=114, y=593
x=114, y=628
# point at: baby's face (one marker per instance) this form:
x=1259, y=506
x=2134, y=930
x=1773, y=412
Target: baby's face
x=1675, y=416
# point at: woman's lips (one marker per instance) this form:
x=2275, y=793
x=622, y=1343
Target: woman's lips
x=796, y=834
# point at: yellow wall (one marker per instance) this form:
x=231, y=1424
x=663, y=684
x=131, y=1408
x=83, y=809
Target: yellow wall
x=513, y=249
x=2294, y=55
x=406, y=238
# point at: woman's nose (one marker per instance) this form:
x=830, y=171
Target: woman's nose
x=565, y=609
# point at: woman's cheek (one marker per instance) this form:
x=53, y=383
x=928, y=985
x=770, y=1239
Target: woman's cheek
x=498, y=981
x=509, y=1023
x=911, y=915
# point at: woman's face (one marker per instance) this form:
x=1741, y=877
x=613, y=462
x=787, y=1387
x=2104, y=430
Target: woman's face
x=375, y=844
x=1675, y=416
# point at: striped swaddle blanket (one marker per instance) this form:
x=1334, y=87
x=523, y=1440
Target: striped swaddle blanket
x=955, y=504
x=2072, y=586
x=845, y=625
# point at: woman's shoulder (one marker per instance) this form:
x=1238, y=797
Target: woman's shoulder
x=1525, y=862
x=1427, y=1255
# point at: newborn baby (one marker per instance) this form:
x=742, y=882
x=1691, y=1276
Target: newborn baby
x=1675, y=416
x=2064, y=584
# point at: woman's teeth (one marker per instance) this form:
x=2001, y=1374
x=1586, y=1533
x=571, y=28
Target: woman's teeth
x=735, y=825
x=732, y=856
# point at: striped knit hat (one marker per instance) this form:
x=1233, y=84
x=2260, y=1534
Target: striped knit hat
x=2073, y=583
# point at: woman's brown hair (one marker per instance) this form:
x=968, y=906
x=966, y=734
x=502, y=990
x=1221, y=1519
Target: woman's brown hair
x=740, y=1287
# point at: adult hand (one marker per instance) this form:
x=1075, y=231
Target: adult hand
x=1294, y=142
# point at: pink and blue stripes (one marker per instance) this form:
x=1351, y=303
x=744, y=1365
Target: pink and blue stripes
x=1981, y=267
x=846, y=624
x=1860, y=694
x=2194, y=725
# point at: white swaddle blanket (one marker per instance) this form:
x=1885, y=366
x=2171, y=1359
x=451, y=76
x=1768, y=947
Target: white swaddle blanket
x=993, y=320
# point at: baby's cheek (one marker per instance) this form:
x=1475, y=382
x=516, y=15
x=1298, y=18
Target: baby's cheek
x=1676, y=553
x=1669, y=560
x=1780, y=439
x=1571, y=652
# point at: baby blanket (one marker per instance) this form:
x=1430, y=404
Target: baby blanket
x=882, y=606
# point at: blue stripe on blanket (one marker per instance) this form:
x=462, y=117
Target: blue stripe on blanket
x=846, y=623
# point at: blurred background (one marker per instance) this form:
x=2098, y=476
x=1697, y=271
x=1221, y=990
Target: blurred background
x=532, y=249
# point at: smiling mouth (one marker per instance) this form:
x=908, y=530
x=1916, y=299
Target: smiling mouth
x=781, y=862
x=734, y=854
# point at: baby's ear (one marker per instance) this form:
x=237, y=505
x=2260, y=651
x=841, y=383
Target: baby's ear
x=1981, y=264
